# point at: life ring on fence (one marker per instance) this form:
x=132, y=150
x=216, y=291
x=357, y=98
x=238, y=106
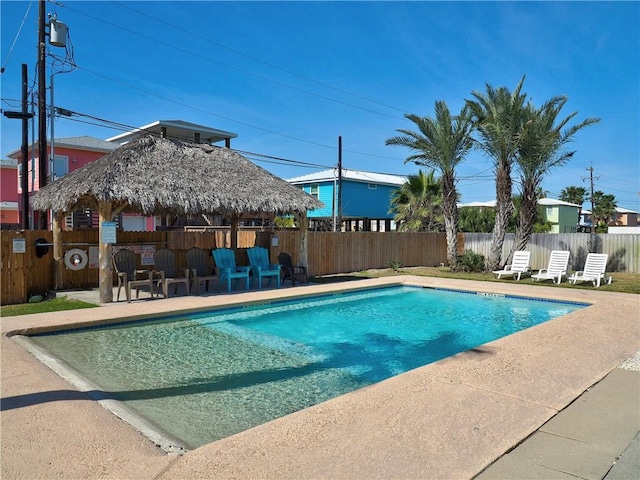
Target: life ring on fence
x=75, y=259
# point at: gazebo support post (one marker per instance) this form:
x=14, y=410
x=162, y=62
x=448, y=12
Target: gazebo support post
x=303, y=220
x=104, y=256
x=234, y=232
x=58, y=257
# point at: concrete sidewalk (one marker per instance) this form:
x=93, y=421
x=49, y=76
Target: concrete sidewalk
x=595, y=437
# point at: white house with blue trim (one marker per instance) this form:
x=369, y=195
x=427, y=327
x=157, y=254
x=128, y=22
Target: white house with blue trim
x=361, y=200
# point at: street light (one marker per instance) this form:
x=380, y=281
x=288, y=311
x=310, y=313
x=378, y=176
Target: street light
x=24, y=115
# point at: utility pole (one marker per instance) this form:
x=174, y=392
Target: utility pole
x=24, y=149
x=591, y=179
x=42, y=107
x=340, y=179
x=24, y=115
x=592, y=237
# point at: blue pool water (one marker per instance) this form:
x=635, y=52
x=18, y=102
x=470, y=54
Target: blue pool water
x=207, y=376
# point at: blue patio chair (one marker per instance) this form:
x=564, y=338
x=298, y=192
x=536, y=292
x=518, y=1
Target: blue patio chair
x=225, y=260
x=260, y=266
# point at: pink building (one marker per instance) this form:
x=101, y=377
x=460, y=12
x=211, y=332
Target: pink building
x=9, y=211
x=69, y=155
x=72, y=153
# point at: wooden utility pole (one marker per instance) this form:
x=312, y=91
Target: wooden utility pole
x=592, y=238
x=24, y=151
x=42, y=106
x=591, y=178
x=339, y=213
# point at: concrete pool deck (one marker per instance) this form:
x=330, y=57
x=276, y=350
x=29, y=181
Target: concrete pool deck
x=496, y=411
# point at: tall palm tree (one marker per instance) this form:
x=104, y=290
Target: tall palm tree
x=417, y=204
x=540, y=149
x=497, y=114
x=441, y=143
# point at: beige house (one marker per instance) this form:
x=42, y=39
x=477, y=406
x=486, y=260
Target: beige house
x=626, y=221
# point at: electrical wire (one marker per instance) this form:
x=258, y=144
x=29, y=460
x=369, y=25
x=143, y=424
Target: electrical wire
x=15, y=39
x=255, y=59
x=246, y=72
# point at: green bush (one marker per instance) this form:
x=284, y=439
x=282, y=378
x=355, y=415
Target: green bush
x=395, y=265
x=471, y=262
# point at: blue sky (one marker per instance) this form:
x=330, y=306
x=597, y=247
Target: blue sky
x=290, y=77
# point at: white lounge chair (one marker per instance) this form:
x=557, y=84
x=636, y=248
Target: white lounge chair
x=519, y=265
x=594, y=270
x=556, y=269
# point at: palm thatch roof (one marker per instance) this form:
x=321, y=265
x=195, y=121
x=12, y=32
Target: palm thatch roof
x=154, y=175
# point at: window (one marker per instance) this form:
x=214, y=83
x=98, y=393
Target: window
x=373, y=186
x=549, y=211
x=315, y=191
x=60, y=167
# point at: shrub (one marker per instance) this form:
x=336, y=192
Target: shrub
x=395, y=265
x=471, y=262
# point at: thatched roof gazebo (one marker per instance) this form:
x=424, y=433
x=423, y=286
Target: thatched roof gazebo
x=153, y=176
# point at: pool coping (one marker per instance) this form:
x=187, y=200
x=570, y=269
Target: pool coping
x=448, y=419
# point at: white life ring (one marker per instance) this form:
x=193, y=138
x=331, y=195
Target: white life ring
x=75, y=259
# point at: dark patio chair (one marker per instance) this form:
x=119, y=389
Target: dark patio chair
x=124, y=263
x=165, y=261
x=290, y=271
x=200, y=270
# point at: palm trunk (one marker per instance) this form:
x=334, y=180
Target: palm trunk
x=504, y=211
x=526, y=219
x=450, y=208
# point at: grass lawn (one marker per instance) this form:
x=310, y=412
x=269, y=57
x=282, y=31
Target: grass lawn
x=53, y=305
x=622, y=282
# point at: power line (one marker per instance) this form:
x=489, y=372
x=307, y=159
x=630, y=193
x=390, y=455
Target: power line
x=15, y=39
x=317, y=82
x=201, y=110
x=69, y=114
x=246, y=72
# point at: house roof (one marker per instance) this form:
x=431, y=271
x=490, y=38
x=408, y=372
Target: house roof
x=624, y=210
x=618, y=210
x=550, y=202
x=9, y=163
x=489, y=204
x=78, y=143
x=153, y=175
x=176, y=130
x=353, y=175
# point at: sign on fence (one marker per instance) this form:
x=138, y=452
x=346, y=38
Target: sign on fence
x=109, y=232
x=19, y=245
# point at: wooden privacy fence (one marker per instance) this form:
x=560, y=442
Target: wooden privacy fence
x=26, y=274
x=623, y=249
x=343, y=252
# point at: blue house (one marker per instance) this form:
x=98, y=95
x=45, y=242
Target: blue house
x=356, y=201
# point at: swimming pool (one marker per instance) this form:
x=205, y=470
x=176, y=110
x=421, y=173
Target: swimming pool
x=207, y=376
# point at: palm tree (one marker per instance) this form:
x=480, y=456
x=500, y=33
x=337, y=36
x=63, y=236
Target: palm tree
x=417, y=204
x=497, y=114
x=540, y=149
x=604, y=210
x=576, y=195
x=441, y=143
